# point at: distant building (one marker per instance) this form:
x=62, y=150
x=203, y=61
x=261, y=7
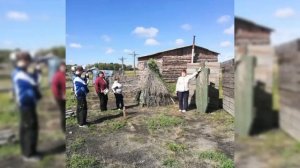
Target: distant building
x=172, y=62
x=248, y=32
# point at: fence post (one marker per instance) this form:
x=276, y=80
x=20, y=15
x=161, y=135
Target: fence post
x=202, y=90
x=243, y=93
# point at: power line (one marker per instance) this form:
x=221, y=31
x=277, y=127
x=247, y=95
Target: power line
x=134, y=55
x=122, y=59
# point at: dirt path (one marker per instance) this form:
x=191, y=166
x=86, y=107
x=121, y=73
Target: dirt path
x=148, y=137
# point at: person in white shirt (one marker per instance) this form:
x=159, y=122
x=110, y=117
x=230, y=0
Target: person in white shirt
x=182, y=89
x=117, y=89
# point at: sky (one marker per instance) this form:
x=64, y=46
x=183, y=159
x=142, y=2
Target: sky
x=32, y=24
x=283, y=16
x=106, y=30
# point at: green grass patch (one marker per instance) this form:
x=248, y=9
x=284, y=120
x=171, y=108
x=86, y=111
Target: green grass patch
x=220, y=158
x=221, y=116
x=71, y=121
x=113, y=125
x=171, y=163
x=129, y=73
x=70, y=101
x=77, y=143
x=291, y=151
x=9, y=150
x=163, y=121
x=176, y=147
x=80, y=161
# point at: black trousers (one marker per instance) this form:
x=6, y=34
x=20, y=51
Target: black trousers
x=62, y=107
x=28, y=130
x=119, y=101
x=81, y=112
x=183, y=100
x=103, y=101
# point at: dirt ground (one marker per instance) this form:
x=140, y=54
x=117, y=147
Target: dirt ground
x=271, y=149
x=149, y=137
x=51, y=144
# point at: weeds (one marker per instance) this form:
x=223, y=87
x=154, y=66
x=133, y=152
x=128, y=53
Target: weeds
x=220, y=158
x=175, y=147
x=171, y=163
x=79, y=161
x=163, y=121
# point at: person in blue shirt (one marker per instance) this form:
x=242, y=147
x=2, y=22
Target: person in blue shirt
x=81, y=90
x=27, y=94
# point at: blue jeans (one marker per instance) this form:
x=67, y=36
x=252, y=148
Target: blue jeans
x=183, y=100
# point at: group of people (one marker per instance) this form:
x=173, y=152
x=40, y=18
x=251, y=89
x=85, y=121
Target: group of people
x=101, y=85
x=27, y=94
x=26, y=91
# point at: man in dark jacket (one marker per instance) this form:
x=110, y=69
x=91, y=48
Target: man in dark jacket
x=81, y=90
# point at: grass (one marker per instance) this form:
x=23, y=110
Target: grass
x=71, y=121
x=221, y=116
x=80, y=161
x=171, y=163
x=77, y=143
x=70, y=102
x=163, y=121
x=220, y=158
x=9, y=115
x=113, y=125
x=129, y=73
x=175, y=147
x=9, y=150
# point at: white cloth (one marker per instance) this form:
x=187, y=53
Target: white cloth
x=182, y=84
x=117, y=87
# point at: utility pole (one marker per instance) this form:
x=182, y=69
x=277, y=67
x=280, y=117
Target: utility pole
x=134, y=55
x=122, y=59
x=193, y=49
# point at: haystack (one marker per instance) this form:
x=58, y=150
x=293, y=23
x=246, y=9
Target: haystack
x=153, y=91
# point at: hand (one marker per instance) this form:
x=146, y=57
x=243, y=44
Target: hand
x=199, y=70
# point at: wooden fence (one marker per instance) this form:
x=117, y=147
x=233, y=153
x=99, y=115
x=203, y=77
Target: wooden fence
x=289, y=85
x=228, y=85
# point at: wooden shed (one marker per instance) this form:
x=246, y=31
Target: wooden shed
x=172, y=62
x=248, y=32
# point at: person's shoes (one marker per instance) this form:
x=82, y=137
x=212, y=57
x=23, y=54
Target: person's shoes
x=119, y=109
x=34, y=158
x=83, y=126
x=183, y=111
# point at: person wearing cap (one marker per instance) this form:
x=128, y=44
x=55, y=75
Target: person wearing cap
x=81, y=90
x=27, y=94
x=101, y=87
x=117, y=89
x=182, y=89
x=58, y=86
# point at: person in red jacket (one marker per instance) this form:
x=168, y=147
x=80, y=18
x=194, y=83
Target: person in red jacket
x=58, y=87
x=101, y=87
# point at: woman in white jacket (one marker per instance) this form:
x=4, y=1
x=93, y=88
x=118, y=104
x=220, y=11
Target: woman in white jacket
x=182, y=89
x=117, y=89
